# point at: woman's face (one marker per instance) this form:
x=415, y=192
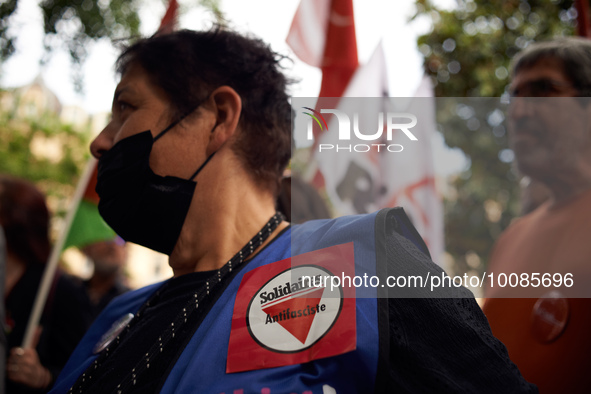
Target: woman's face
x=139, y=105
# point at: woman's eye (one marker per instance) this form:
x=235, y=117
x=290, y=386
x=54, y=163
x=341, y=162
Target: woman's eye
x=123, y=106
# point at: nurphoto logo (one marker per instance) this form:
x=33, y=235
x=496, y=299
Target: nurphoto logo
x=349, y=131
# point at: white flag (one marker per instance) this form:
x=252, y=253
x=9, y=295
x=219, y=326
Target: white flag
x=410, y=178
x=381, y=166
x=307, y=35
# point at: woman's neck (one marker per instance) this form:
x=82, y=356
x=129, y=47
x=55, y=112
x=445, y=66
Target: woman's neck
x=223, y=217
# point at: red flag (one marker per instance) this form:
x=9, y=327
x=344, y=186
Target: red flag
x=583, y=28
x=322, y=34
x=170, y=20
x=340, y=50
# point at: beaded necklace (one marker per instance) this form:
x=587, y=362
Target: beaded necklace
x=86, y=379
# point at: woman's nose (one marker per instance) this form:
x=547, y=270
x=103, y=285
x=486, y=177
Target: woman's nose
x=102, y=143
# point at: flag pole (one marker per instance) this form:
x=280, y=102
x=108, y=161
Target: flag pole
x=51, y=266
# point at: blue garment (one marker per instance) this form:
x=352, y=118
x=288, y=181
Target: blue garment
x=202, y=364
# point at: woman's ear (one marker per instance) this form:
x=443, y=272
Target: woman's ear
x=227, y=106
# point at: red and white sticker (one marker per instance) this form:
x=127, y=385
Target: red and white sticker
x=288, y=313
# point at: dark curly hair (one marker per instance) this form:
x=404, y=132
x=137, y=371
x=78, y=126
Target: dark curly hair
x=189, y=65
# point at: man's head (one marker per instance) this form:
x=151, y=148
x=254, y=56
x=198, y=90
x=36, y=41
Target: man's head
x=25, y=219
x=569, y=56
x=548, y=119
x=189, y=65
x=108, y=257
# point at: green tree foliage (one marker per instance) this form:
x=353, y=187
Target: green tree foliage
x=44, y=150
x=75, y=24
x=7, y=8
x=468, y=54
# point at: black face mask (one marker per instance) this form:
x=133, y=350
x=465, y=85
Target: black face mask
x=142, y=207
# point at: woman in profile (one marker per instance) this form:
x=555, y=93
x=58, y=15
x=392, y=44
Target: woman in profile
x=25, y=219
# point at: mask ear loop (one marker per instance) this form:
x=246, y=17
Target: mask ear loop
x=206, y=160
x=168, y=128
x=175, y=123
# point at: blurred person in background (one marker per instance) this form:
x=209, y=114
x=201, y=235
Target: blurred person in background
x=299, y=201
x=107, y=281
x=25, y=219
x=2, y=318
x=549, y=123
